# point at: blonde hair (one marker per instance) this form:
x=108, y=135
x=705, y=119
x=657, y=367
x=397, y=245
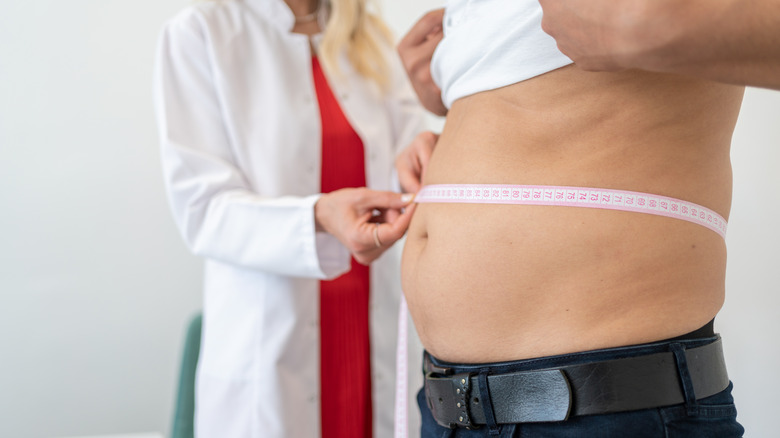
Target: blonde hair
x=362, y=34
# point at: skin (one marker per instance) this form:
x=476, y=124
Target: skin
x=731, y=41
x=413, y=160
x=301, y=8
x=489, y=283
x=416, y=49
x=350, y=215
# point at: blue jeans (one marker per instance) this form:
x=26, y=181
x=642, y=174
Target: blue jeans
x=711, y=417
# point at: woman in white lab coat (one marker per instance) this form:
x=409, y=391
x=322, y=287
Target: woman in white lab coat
x=242, y=106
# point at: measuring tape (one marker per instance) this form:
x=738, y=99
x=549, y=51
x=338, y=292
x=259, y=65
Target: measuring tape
x=575, y=197
x=401, y=373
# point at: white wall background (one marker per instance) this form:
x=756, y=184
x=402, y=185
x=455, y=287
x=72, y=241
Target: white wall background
x=95, y=284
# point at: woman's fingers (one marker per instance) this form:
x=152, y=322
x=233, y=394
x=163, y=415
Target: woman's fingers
x=382, y=200
x=351, y=216
x=413, y=160
x=375, y=238
x=392, y=231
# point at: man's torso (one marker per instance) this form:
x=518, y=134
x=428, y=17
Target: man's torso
x=488, y=283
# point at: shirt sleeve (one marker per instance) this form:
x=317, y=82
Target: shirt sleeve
x=215, y=209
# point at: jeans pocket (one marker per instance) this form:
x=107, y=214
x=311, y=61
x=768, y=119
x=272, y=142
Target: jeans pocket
x=715, y=417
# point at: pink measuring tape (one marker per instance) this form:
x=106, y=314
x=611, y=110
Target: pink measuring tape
x=540, y=195
x=574, y=197
x=401, y=374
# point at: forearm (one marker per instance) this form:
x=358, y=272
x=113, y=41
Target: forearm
x=734, y=41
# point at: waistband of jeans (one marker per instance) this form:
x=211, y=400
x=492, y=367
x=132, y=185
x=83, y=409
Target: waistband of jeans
x=568, y=358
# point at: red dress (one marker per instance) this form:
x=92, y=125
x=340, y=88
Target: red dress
x=345, y=368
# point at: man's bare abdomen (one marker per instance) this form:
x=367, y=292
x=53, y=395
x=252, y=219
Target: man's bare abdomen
x=488, y=283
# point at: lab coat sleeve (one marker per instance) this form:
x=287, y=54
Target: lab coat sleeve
x=217, y=212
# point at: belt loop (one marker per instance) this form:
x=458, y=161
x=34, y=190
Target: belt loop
x=691, y=407
x=487, y=403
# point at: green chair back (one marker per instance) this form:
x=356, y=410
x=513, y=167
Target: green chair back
x=184, y=415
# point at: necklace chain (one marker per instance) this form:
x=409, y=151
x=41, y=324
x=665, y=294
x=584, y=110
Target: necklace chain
x=308, y=17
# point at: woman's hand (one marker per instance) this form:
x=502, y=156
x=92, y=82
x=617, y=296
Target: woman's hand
x=367, y=222
x=413, y=160
x=416, y=50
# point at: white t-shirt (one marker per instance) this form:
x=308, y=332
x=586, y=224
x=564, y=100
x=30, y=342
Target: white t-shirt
x=489, y=44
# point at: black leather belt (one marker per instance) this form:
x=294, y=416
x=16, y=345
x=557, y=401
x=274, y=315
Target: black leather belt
x=601, y=387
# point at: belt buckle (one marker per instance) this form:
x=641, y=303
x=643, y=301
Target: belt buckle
x=462, y=386
x=430, y=368
x=449, y=400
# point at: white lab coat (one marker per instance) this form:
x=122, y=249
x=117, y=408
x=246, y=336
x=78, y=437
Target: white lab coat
x=240, y=139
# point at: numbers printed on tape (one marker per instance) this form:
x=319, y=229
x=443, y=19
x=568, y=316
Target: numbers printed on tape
x=575, y=197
